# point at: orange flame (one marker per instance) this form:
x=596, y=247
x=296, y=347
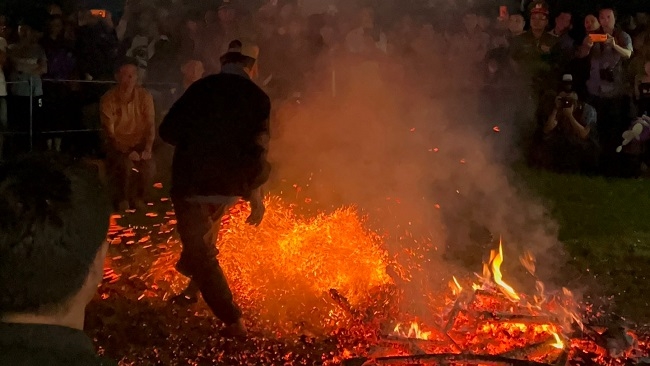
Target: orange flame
x=414, y=331
x=496, y=259
x=456, y=288
x=558, y=342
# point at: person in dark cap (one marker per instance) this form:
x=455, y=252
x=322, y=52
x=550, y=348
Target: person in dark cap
x=128, y=122
x=534, y=49
x=55, y=216
x=220, y=128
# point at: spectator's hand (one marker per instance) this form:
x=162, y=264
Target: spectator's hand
x=568, y=111
x=558, y=103
x=146, y=155
x=545, y=48
x=108, y=19
x=588, y=42
x=134, y=156
x=610, y=40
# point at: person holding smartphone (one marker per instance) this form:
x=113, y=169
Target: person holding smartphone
x=606, y=51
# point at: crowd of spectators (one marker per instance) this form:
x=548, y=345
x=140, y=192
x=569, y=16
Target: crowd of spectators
x=588, y=71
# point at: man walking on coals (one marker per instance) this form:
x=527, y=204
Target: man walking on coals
x=220, y=128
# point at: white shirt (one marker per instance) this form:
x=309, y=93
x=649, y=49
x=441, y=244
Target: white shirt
x=3, y=85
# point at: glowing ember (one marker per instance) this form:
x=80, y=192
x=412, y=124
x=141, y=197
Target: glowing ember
x=284, y=269
x=325, y=277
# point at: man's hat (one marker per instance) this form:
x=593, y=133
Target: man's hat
x=538, y=7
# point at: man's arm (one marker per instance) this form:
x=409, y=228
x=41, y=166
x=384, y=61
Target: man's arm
x=551, y=122
x=625, y=48
x=580, y=130
x=589, y=121
x=108, y=116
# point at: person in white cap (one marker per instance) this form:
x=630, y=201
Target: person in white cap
x=220, y=128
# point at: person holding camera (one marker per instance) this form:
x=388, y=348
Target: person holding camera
x=606, y=49
x=569, y=141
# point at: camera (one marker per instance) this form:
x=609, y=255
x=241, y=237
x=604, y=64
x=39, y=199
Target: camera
x=566, y=102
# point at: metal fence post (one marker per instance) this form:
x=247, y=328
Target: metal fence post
x=31, y=115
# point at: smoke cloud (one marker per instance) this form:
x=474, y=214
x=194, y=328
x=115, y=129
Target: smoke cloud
x=415, y=149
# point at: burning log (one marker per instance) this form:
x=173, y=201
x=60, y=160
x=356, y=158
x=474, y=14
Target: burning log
x=534, y=350
x=420, y=343
x=516, y=318
x=442, y=358
x=344, y=304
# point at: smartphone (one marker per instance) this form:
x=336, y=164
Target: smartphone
x=101, y=13
x=598, y=38
x=503, y=12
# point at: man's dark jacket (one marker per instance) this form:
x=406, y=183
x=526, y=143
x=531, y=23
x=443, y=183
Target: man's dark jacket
x=41, y=344
x=220, y=128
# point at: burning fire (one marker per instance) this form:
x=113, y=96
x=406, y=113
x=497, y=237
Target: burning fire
x=316, y=276
x=284, y=269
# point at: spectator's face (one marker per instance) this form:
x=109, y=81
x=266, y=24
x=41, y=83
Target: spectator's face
x=4, y=30
x=516, y=24
x=563, y=22
x=641, y=18
x=226, y=15
x=127, y=76
x=56, y=27
x=538, y=22
x=646, y=68
x=367, y=18
x=54, y=10
x=470, y=21
x=607, y=18
x=591, y=23
x=25, y=32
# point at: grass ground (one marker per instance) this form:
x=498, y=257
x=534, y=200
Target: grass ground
x=605, y=226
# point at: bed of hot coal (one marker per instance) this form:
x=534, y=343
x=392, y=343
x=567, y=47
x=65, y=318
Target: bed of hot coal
x=131, y=319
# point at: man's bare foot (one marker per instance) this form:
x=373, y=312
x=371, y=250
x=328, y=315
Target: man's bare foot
x=234, y=330
x=188, y=297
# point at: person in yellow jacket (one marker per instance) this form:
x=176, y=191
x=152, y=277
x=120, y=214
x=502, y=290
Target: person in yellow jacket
x=128, y=122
